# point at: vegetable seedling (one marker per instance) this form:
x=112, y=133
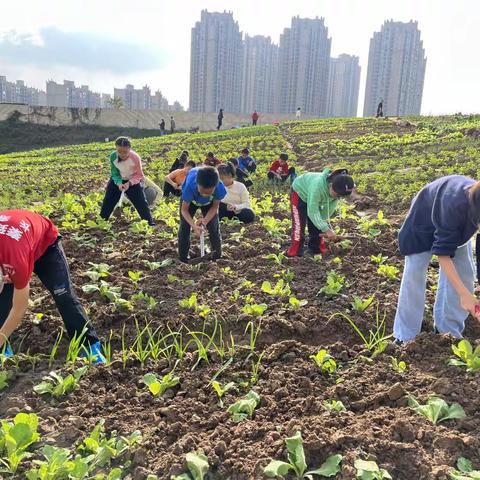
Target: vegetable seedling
x=57, y=386
x=335, y=283
x=368, y=470
x=324, y=361
x=360, y=305
x=159, y=387
x=297, y=464
x=197, y=464
x=221, y=391
x=465, y=471
x=436, y=409
x=244, y=407
x=467, y=356
x=334, y=406
x=398, y=366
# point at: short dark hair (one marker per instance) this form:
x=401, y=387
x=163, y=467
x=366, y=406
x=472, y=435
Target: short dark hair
x=283, y=156
x=190, y=163
x=245, y=150
x=183, y=157
x=185, y=152
x=342, y=182
x=207, y=177
x=226, y=169
x=123, y=142
x=234, y=161
x=210, y=155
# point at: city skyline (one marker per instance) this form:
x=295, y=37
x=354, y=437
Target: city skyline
x=32, y=33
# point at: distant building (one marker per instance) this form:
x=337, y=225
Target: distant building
x=343, y=86
x=133, y=99
x=216, y=64
x=106, y=101
x=18, y=92
x=396, y=70
x=304, y=58
x=260, y=61
x=68, y=95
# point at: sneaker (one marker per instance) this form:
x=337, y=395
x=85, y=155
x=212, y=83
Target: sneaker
x=398, y=343
x=93, y=352
x=8, y=353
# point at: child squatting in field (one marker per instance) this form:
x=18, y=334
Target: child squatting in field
x=30, y=243
x=441, y=221
x=314, y=198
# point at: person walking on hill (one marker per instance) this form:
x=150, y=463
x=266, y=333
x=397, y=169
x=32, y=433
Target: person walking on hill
x=162, y=127
x=220, y=119
x=30, y=243
x=126, y=177
x=380, y=109
x=172, y=125
x=255, y=117
x=298, y=113
x=441, y=221
x=314, y=199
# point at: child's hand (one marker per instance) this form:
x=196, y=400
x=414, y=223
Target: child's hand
x=331, y=235
x=198, y=229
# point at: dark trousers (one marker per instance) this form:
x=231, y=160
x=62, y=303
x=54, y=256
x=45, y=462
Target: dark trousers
x=52, y=270
x=213, y=228
x=254, y=122
x=274, y=179
x=300, y=219
x=219, y=124
x=135, y=194
x=169, y=190
x=245, y=215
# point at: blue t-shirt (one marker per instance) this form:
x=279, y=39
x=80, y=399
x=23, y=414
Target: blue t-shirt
x=243, y=163
x=190, y=193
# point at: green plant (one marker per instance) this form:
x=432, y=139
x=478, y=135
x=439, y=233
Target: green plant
x=277, y=258
x=197, y=464
x=334, y=406
x=360, y=305
x=436, y=409
x=4, y=379
x=379, y=259
x=295, y=303
x=467, y=356
x=15, y=439
x=98, y=271
x=297, y=463
x=324, y=361
x=368, y=470
x=135, y=277
x=465, y=471
x=398, y=366
x=388, y=271
x=142, y=227
x=159, y=387
x=244, y=407
x=281, y=289
x=254, y=309
x=156, y=265
x=221, y=391
x=58, y=386
x=335, y=283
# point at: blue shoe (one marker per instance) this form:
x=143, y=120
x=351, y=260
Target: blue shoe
x=93, y=353
x=8, y=353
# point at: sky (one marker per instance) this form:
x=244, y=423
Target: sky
x=109, y=43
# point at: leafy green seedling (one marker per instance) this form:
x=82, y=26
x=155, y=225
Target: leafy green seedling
x=98, y=271
x=57, y=386
x=277, y=258
x=436, y=409
x=4, y=379
x=467, y=356
x=324, y=361
x=281, y=289
x=197, y=464
x=378, y=259
x=335, y=283
x=334, y=406
x=388, y=271
x=244, y=407
x=255, y=309
x=360, y=305
x=398, y=366
x=297, y=464
x=135, y=277
x=295, y=303
x=159, y=387
x=465, y=471
x=221, y=391
x=367, y=470
x=156, y=265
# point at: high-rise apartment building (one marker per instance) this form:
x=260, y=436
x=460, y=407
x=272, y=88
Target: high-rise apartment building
x=396, y=70
x=18, y=92
x=134, y=99
x=343, y=86
x=68, y=95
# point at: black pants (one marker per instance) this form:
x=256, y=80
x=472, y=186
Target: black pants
x=213, y=228
x=169, y=190
x=219, y=124
x=135, y=194
x=254, y=122
x=245, y=215
x=52, y=270
x=273, y=178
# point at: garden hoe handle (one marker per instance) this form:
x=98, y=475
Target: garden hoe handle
x=202, y=242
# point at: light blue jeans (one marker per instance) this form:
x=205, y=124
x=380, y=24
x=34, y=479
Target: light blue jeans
x=449, y=316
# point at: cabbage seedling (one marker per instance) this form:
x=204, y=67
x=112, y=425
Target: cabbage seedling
x=295, y=303
x=465, y=471
x=296, y=462
x=135, y=277
x=388, y=271
x=159, y=387
x=334, y=284
x=281, y=289
x=334, y=406
x=367, y=470
x=360, y=305
x=436, y=409
x=244, y=407
x=57, y=386
x=255, y=309
x=467, y=356
x=197, y=464
x=324, y=361
x=398, y=366
x=221, y=391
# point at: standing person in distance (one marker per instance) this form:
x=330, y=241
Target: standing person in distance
x=172, y=125
x=441, y=221
x=280, y=171
x=220, y=119
x=174, y=180
x=202, y=190
x=236, y=204
x=314, y=199
x=380, y=109
x=126, y=177
x=246, y=162
x=29, y=243
x=162, y=127
x=298, y=113
x=255, y=117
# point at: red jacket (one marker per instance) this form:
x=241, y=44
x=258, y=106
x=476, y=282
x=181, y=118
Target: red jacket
x=255, y=116
x=212, y=162
x=277, y=167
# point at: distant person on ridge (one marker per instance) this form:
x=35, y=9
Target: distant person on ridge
x=220, y=119
x=255, y=117
x=314, y=199
x=280, y=171
x=298, y=113
x=30, y=243
x=380, y=109
x=126, y=177
x=246, y=162
x=162, y=127
x=172, y=125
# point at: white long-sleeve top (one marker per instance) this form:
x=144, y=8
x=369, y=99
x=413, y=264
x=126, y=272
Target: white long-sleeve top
x=237, y=195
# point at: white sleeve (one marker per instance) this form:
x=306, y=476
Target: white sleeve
x=244, y=197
